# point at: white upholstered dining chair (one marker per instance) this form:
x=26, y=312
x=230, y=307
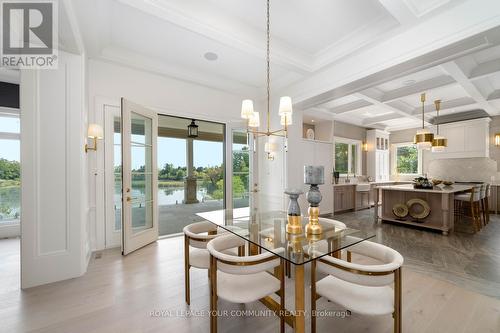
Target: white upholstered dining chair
x=363, y=289
x=196, y=237
x=243, y=279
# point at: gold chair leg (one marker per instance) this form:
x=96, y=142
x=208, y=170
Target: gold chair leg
x=186, y=271
x=313, y=296
x=282, y=295
x=397, y=301
x=213, y=294
x=349, y=256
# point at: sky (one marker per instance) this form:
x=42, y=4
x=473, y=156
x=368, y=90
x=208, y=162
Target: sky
x=205, y=153
x=9, y=149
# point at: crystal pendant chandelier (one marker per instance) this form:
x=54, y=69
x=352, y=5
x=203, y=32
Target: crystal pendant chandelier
x=285, y=106
x=423, y=138
x=440, y=142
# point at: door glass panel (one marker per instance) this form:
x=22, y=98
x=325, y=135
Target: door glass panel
x=241, y=169
x=117, y=163
x=141, y=157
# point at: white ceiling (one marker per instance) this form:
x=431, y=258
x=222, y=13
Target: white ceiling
x=170, y=37
x=395, y=104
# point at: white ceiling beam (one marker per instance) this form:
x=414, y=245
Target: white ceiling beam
x=417, y=88
x=389, y=107
x=400, y=11
x=459, y=75
x=494, y=95
x=447, y=105
x=485, y=69
x=320, y=110
x=380, y=119
x=350, y=106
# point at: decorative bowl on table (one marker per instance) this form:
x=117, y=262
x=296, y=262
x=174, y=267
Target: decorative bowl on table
x=436, y=182
x=447, y=182
x=422, y=183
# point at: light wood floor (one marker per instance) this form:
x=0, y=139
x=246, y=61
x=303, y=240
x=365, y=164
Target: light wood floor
x=119, y=293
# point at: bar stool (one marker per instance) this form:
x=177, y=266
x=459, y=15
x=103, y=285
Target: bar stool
x=485, y=205
x=473, y=199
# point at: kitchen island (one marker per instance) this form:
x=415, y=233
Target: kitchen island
x=434, y=207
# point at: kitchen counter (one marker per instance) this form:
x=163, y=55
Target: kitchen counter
x=440, y=201
x=437, y=189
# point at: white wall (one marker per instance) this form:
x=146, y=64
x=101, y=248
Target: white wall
x=109, y=82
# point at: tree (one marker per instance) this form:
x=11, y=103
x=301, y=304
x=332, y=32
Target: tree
x=9, y=170
x=407, y=160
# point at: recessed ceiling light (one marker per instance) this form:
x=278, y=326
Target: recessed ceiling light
x=312, y=120
x=409, y=82
x=210, y=56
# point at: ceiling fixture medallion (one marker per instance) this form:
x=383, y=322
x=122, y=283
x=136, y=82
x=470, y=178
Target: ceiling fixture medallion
x=423, y=138
x=285, y=106
x=211, y=56
x=440, y=142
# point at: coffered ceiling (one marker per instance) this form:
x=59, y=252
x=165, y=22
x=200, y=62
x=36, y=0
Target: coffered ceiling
x=468, y=83
x=310, y=39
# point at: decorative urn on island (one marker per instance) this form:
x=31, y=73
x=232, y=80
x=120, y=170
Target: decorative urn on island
x=314, y=176
x=294, y=225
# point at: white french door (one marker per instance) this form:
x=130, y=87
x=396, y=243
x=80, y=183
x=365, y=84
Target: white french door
x=139, y=176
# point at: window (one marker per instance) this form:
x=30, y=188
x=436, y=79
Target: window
x=10, y=168
x=347, y=156
x=407, y=159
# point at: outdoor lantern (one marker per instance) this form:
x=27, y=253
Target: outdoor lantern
x=192, y=130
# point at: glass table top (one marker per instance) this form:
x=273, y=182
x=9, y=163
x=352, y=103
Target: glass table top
x=268, y=231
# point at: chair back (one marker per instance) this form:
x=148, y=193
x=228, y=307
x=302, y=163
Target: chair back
x=476, y=192
x=483, y=191
x=233, y=264
x=337, y=224
x=200, y=233
x=376, y=275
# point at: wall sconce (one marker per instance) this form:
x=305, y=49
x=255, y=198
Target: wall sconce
x=497, y=139
x=365, y=146
x=270, y=148
x=94, y=132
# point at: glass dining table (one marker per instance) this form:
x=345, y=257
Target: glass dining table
x=266, y=231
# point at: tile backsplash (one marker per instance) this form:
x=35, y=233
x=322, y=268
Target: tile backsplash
x=477, y=169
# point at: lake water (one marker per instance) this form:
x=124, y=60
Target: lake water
x=11, y=198
x=166, y=195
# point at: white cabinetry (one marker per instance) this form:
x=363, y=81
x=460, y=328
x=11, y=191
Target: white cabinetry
x=465, y=139
x=378, y=155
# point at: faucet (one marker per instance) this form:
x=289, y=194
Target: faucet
x=347, y=180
